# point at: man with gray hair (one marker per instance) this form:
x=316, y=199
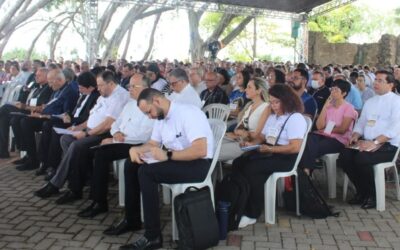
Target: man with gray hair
x=196, y=79
x=76, y=147
x=61, y=101
x=183, y=92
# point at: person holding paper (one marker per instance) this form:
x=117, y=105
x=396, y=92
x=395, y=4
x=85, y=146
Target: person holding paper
x=37, y=97
x=280, y=142
x=131, y=127
x=379, y=126
x=77, y=154
x=182, y=143
x=251, y=122
x=62, y=100
x=49, y=150
x=334, y=126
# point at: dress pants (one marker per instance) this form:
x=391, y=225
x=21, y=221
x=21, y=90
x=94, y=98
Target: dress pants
x=5, y=122
x=28, y=127
x=76, y=153
x=317, y=146
x=103, y=156
x=49, y=150
x=256, y=169
x=146, y=178
x=358, y=167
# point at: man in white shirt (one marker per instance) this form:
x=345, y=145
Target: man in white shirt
x=184, y=132
x=183, y=92
x=76, y=147
x=131, y=128
x=378, y=125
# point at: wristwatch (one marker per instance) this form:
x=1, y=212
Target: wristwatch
x=169, y=155
x=376, y=142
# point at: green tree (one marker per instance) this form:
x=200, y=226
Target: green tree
x=338, y=25
x=20, y=54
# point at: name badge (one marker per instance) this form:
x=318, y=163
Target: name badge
x=272, y=135
x=33, y=102
x=233, y=106
x=203, y=102
x=372, y=120
x=329, y=127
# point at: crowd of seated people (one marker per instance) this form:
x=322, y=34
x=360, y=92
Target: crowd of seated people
x=72, y=121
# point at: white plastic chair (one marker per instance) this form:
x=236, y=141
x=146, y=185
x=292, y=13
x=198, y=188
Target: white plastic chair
x=379, y=175
x=217, y=111
x=218, y=127
x=329, y=161
x=270, y=184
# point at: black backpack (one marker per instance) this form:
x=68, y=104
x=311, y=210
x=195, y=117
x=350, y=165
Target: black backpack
x=234, y=189
x=312, y=204
x=195, y=219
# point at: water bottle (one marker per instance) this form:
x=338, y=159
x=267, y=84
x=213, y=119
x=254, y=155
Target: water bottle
x=223, y=213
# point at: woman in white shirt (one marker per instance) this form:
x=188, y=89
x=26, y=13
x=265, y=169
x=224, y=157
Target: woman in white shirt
x=252, y=120
x=279, y=144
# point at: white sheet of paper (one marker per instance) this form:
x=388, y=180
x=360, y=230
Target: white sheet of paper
x=233, y=106
x=33, y=102
x=329, y=127
x=133, y=142
x=62, y=131
x=148, y=158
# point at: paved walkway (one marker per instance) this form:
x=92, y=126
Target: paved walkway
x=27, y=222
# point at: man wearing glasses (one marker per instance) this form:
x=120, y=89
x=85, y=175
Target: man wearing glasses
x=379, y=126
x=213, y=93
x=183, y=92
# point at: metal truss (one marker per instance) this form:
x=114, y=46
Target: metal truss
x=211, y=7
x=329, y=6
x=91, y=20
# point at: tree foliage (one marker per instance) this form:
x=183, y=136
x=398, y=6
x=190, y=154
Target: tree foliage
x=20, y=54
x=341, y=24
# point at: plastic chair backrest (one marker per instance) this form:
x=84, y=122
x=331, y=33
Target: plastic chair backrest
x=218, y=128
x=217, y=111
x=13, y=97
x=303, y=143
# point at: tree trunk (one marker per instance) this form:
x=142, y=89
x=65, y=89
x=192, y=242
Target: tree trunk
x=151, y=40
x=58, y=36
x=128, y=41
x=134, y=14
x=11, y=20
x=197, y=47
x=3, y=44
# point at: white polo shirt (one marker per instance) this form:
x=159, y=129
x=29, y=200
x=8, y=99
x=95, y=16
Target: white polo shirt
x=188, y=95
x=295, y=128
x=380, y=116
x=133, y=123
x=110, y=106
x=183, y=125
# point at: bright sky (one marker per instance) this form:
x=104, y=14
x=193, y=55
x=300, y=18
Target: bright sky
x=172, y=36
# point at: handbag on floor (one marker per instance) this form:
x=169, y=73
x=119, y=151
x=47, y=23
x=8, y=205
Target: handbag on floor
x=195, y=219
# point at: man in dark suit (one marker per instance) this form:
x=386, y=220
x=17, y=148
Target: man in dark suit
x=127, y=71
x=38, y=96
x=49, y=150
x=63, y=100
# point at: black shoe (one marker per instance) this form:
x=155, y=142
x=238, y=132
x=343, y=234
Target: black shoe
x=143, y=243
x=69, y=197
x=93, y=209
x=21, y=160
x=369, y=203
x=122, y=227
x=50, y=174
x=356, y=200
x=41, y=171
x=27, y=166
x=47, y=191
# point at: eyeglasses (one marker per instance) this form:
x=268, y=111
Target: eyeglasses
x=297, y=78
x=134, y=86
x=380, y=81
x=173, y=83
x=210, y=80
